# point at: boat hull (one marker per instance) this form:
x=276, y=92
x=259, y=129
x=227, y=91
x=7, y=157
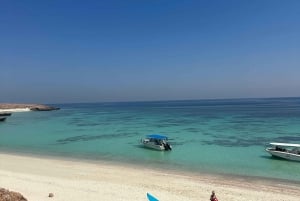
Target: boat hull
x=284, y=155
x=5, y=114
x=157, y=146
x=153, y=146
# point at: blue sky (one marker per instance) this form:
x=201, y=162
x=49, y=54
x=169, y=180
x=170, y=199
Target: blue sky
x=93, y=51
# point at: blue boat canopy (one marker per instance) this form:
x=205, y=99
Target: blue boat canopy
x=157, y=136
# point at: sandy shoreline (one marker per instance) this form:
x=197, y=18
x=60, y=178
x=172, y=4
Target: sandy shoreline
x=15, y=110
x=35, y=178
x=23, y=107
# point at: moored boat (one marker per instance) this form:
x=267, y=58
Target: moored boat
x=5, y=114
x=2, y=118
x=284, y=150
x=157, y=142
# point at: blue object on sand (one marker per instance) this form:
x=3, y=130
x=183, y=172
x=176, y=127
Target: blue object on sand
x=151, y=198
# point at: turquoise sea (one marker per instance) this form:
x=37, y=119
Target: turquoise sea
x=208, y=136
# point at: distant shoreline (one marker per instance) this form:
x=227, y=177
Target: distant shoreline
x=20, y=107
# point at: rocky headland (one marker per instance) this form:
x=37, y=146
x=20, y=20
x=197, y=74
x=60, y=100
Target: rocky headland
x=32, y=107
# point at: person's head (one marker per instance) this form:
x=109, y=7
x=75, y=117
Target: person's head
x=213, y=192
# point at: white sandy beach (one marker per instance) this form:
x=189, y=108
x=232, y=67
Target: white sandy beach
x=35, y=178
x=15, y=110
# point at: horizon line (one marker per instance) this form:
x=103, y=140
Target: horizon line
x=177, y=100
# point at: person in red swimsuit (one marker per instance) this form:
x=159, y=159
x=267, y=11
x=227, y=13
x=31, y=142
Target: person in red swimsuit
x=213, y=196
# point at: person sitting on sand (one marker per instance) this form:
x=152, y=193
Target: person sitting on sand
x=213, y=196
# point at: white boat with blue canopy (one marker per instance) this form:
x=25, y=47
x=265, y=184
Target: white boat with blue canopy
x=284, y=150
x=157, y=142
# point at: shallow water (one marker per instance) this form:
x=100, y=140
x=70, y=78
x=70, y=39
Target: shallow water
x=211, y=136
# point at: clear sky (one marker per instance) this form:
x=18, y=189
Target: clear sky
x=62, y=51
